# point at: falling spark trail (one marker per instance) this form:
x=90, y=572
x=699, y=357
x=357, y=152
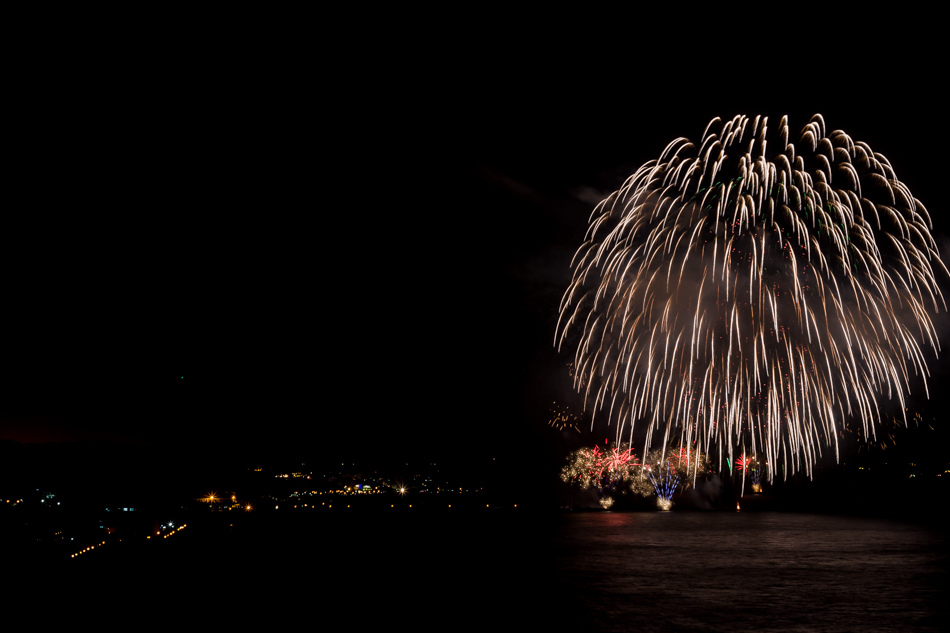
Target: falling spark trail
x=727, y=295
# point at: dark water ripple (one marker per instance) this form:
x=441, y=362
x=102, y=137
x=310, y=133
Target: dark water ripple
x=764, y=572
x=600, y=571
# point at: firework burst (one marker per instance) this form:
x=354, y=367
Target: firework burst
x=563, y=418
x=610, y=471
x=665, y=480
x=749, y=291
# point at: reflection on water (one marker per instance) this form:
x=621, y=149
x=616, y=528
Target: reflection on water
x=600, y=571
x=752, y=571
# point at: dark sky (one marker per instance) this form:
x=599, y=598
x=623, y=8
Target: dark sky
x=278, y=244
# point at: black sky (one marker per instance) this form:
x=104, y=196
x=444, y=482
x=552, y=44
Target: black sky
x=283, y=245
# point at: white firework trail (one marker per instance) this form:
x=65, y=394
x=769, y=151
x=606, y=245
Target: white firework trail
x=725, y=294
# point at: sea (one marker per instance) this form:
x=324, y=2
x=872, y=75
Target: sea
x=565, y=571
x=723, y=571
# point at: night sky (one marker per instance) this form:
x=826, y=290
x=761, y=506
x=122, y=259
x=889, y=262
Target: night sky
x=286, y=248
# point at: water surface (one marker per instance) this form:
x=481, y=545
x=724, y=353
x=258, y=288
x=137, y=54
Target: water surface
x=752, y=571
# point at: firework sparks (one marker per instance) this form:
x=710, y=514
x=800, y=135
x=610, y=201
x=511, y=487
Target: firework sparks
x=665, y=481
x=667, y=471
x=730, y=296
x=615, y=471
x=607, y=471
x=563, y=418
x=750, y=467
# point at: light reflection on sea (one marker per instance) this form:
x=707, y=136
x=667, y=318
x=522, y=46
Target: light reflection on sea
x=670, y=572
x=752, y=571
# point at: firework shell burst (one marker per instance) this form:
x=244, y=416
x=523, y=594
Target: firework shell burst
x=748, y=292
